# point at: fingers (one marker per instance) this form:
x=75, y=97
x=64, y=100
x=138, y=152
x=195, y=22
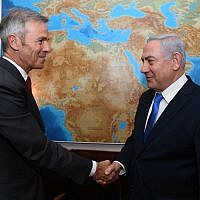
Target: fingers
x=110, y=169
x=106, y=172
x=100, y=171
x=114, y=167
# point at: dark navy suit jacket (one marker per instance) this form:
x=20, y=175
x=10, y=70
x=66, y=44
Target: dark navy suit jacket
x=167, y=165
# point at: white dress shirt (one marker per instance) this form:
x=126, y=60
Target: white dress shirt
x=168, y=94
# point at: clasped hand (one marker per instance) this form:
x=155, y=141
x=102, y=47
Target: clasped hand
x=107, y=172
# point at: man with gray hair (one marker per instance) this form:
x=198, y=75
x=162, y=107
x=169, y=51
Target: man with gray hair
x=24, y=148
x=161, y=158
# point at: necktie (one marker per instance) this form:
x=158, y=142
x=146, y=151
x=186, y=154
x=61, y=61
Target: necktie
x=153, y=115
x=28, y=84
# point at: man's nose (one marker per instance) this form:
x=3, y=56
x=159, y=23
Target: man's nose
x=47, y=47
x=144, y=67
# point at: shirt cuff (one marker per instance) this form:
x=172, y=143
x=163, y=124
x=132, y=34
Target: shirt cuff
x=94, y=168
x=122, y=171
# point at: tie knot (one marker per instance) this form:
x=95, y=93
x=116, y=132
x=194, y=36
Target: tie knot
x=28, y=84
x=158, y=98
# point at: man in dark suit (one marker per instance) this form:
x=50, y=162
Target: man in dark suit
x=163, y=164
x=24, y=149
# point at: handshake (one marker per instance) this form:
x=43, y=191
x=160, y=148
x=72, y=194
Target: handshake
x=107, y=172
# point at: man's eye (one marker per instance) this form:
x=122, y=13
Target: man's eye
x=151, y=62
x=40, y=42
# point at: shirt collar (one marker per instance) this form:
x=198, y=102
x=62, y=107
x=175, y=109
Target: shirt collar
x=170, y=92
x=20, y=69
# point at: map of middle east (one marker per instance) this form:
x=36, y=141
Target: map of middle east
x=91, y=83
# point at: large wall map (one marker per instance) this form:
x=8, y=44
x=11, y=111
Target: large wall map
x=91, y=83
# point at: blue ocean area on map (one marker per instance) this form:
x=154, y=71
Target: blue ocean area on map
x=119, y=11
x=194, y=72
x=54, y=121
x=85, y=33
x=170, y=16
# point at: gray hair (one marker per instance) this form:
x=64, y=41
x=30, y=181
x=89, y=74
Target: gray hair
x=14, y=23
x=171, y=44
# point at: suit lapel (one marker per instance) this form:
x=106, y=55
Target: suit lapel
x=141, y=116
x=30, y=99
x=34, y=109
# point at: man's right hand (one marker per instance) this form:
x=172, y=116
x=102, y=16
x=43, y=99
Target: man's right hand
x=111, y=174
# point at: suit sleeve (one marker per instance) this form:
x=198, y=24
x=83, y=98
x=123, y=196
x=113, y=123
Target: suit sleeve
x=21, y=130
x=126, y=156
x=197, y=148
x=127, y=152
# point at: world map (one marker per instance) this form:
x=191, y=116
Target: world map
x=91, y=83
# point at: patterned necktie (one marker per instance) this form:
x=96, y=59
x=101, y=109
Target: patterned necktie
x=28, y=84
x=153, y=115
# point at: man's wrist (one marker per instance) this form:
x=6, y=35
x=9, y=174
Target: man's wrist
x=122, y=170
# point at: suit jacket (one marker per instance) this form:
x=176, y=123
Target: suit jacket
x=23, y=146
x=167, y=165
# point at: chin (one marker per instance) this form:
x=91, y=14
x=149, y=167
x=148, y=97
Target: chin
x=38, y=66
x=149, y=84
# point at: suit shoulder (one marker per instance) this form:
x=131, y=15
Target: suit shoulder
x=196, y=87
x=149, y=92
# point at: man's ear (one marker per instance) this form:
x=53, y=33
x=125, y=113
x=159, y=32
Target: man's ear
x=177, y=59
x=14, y=42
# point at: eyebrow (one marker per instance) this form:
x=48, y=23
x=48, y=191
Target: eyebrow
x=43, y=38
x=148, y=57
